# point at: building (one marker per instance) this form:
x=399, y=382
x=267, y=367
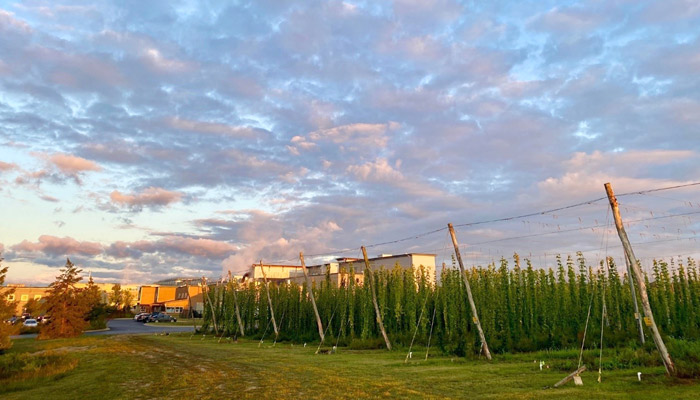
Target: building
x=170, y=299
x=273, y=272
x=338, y=271
x=24, y=294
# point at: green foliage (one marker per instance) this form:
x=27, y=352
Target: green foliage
x=7, y=310
x=522, y=309
x=24, y=365
x=67, y=305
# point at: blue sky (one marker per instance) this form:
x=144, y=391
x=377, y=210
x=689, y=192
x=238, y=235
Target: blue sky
x=154, y=139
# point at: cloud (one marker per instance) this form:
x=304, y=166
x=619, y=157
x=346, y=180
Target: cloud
x=55, y=246
x=349, y=138
x=149, y=197
x=584, y=174
x=58, y=167
x=7, y=166
x=197, y=247
x=71, y=165
x=211, y=128
x=377, y=171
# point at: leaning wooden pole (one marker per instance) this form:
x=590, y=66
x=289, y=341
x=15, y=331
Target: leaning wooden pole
x=637, y=317
x=235, y=304
x=369, y=278
x=269, y=301
x=191, y=313
x=475, y=315
x=313, y=300
x=668, y=363
x=205, y=288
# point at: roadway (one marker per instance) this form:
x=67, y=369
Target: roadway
x=127, y=326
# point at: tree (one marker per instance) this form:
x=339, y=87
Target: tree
x=127, y=299
x=116, y=296
x=96, y=309
x=65, y=305
x=35, y=307
x=7, y=310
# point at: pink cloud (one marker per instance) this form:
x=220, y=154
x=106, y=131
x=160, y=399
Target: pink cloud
x=72, y=165
x=210, y=127
x=151, y=196
x=583, y=174
x=7, y=166
x=199, y=247
x=59, y=246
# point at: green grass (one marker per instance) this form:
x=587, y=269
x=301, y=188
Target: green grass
x=185, y=366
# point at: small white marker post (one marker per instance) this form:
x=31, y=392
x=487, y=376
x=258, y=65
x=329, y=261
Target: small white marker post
x=639, y=376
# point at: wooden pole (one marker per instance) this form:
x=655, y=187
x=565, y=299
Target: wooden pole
x=269, y=300
x=369, y=278
x=668, y=363
x=570, y=376
x=191, y=313
x=205, y=288
x=637, y=317
x=313, y=300
x=482, y=337
x=235, y=304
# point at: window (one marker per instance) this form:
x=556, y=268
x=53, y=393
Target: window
x=24, y=297
x=37, y=297
x=10, y=297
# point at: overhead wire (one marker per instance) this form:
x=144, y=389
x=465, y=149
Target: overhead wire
x=503, y=219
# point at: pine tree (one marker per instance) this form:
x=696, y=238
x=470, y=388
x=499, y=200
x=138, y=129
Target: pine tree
x=7, y=310
x=65, y=306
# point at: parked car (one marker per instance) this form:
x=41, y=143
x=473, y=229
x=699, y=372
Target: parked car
x=140, y=316
x=161, y=317
x=30, y=322
x=143, y=317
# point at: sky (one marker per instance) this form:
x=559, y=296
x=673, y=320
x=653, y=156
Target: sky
x=147, y=140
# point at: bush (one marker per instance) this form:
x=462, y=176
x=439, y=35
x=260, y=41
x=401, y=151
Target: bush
x=367, y=344
x=28, y=329
x=24, y=365
x=686, y=355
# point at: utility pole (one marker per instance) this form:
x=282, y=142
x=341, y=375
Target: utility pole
x=649, y=316
x=475, y=318
x=235, y=304
x=637, y=317
x=369, y=278
x=269, y=300
x=311, y=295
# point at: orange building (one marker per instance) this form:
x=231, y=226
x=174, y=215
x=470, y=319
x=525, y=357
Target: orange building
x=23, y=294
x=169, y=299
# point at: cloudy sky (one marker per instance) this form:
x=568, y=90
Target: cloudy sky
x=154, y=139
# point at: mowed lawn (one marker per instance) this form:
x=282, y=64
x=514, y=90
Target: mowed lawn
x=184, y=366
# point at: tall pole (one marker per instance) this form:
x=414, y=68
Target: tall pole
x=205, y=288
x=369, y=278
x=668, y=363
x=269, y=300
x=637, y=317
x=235, y=304
x=482, y=337
x=311, y=295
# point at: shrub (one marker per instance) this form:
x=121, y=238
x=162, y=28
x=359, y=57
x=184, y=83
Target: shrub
x=20, y=366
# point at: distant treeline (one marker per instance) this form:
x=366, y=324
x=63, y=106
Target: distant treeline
x=521, y=308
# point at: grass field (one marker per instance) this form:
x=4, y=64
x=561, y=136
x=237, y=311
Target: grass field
x=182, y=366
